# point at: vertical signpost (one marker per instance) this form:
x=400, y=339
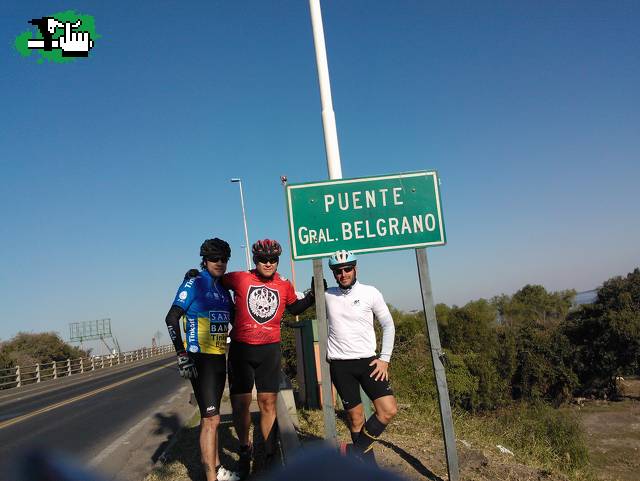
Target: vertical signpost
x=437, y=357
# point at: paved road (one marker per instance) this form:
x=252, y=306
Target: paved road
x=91, y=416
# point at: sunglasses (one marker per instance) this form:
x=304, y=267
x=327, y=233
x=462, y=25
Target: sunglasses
x=267, y=259
x=215, y=260
x=342, y=270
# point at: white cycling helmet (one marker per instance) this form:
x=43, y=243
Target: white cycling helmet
x=342, y=258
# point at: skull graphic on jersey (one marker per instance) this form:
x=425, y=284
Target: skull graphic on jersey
x=262, y=303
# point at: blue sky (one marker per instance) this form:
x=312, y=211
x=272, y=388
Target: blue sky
x=116, y=167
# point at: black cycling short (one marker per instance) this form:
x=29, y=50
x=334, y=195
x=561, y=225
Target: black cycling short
x=249, y=363
x=209, y=385
x=349, y=375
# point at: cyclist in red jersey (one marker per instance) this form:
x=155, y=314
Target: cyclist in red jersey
x=261, y=296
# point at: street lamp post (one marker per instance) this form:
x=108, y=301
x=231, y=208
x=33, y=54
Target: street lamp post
x=244, y=221
x=283, y=181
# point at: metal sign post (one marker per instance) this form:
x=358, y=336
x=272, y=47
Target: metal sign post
x=437, y=356
x=330, y=433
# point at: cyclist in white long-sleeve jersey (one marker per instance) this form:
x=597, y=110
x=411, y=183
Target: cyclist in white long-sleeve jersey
x=351, y=349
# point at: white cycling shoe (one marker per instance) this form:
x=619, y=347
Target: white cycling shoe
x=225, y=474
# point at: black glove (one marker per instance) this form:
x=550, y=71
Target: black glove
x=186, y=367
x=313, y=284
x=191, y=273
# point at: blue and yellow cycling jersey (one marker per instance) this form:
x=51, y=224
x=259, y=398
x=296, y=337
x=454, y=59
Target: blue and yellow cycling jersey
x=208, y=310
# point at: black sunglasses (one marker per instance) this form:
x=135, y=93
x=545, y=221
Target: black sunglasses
x=267, y=259
x=217, y=259
x=341, y=270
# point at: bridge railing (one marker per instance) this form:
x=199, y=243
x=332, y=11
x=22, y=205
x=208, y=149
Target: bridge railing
x=18, y=376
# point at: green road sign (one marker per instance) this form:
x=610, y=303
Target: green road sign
x=401, y=211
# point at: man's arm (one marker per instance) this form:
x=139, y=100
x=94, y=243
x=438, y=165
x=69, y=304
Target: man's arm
x=383, y=315
x=186, y=367
x=173, y=326
x=297, y=306
x=381, y=311
x=301, y=305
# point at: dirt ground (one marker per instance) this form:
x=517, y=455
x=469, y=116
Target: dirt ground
x=613, y=438
x=413, y=448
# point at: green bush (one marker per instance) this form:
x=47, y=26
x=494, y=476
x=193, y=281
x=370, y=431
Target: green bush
x=543, y=365
x=28, y=348
x=411, y=372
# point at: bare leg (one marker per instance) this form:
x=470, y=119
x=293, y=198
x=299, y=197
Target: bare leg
x=217, y=451
x=267, y=403
x=355, y=416
x=386, y=408
x=209, y=445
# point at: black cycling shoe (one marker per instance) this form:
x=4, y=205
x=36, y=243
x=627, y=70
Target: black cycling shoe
x=348, y=449
x=244, y=463
x=370, y=458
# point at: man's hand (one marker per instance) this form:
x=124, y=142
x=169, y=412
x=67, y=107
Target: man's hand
x=186, y=367
x=191, y=273
x=313, y=285
x=381, y=371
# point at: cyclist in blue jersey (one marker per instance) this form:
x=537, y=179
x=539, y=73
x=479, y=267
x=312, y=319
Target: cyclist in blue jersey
x=206, y=309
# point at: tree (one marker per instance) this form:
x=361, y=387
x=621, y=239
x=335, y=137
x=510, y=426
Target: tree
x=533, y=304
x=28, y=349
x=606, y=334
x=471, y=328
x=470, y=333
x=543, y=368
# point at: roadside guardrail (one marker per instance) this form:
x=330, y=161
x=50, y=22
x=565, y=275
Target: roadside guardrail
x=18, y=376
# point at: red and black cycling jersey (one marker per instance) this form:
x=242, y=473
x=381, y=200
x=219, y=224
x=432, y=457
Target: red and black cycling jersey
x=259, y=305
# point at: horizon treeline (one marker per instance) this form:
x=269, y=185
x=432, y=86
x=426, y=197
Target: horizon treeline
x=533, y=345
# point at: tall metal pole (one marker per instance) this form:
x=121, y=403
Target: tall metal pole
x=244, y=221
x=437, y=356
x=335, y=172
x=283, y=181
x=328, y=116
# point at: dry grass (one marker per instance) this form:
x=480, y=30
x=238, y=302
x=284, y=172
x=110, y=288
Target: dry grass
x=412, y=446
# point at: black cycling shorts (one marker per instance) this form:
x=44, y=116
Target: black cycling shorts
x=349, y=375
x=209, y=385
x=249, y=363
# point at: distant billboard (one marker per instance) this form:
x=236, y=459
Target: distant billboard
x=89, y=330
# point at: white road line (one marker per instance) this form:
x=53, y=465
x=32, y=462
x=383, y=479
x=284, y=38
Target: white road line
x=51, y=407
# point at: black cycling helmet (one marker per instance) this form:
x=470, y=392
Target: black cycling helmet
x=215, y=248
x=266, y=247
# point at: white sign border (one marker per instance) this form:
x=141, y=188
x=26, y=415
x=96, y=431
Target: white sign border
x=424, y=173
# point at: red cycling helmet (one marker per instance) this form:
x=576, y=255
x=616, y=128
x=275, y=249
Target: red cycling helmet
x=266, y=247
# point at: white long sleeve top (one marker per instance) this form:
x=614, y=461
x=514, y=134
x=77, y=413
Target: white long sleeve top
x=350, y=317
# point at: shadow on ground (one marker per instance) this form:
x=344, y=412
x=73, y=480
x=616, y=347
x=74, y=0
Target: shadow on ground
x=168, y=425
x=412, y=461
x=187, y=449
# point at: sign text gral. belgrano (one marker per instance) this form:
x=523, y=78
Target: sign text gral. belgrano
x=365, y=215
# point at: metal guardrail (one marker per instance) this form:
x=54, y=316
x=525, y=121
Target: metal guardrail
x=19, y=376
